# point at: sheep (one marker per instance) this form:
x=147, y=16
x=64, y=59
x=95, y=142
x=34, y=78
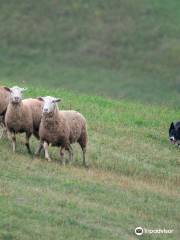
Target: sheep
x=23, y=116
x=61, y=128
x=4, y=100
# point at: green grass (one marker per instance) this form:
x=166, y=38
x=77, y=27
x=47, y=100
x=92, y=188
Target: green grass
x=133, y=179
x=124, y=49
x=127, y=52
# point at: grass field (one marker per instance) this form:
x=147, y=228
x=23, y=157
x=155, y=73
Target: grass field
x=124, y=49
x=117, y=62
x=133, y=177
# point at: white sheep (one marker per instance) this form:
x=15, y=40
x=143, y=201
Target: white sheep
x=4, y=100
x=61, y=128
x=22, y=116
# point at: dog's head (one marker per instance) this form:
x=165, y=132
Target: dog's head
x=174, y=133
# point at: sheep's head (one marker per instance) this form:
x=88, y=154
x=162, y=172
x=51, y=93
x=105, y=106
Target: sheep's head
x=16, y=94
x=50, y=104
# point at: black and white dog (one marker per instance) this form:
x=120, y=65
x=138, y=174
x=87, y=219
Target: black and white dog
x=174, y=133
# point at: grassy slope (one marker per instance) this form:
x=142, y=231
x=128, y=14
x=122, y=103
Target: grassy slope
x=133, y=177
x=119, y=48
x=124, y=49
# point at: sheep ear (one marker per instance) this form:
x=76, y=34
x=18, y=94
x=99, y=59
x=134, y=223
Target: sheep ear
x=7, y=89
x=57, y=100
x=40, y=99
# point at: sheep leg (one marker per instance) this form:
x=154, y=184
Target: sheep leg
x=38, y=150
x=83, y=143
x=3, y=130
x=13, y=137
x=62, y=155
x=28, y=135
x=47, y=157
x=8, y=134
x=84, y=157
x=83, y=147
x=70, y=151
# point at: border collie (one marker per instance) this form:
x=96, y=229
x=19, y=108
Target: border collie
x=174, y=133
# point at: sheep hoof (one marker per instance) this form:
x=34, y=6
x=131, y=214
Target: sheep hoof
x=49, y=159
